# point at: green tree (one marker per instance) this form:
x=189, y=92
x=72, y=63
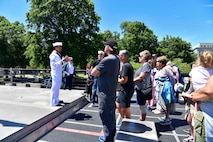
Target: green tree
x=36, y=50
x=137, y=37
x=99, y=43
x=12, y=45
x=178, y=51
x=175, y=47
x=108, y=34
x=75, y=23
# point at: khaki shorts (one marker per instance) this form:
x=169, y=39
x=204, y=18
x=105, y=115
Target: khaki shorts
x=200, y=127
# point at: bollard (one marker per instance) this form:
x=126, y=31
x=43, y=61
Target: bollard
x=36, y=78
x=2, y=83
x=13, y=84
x=11, y=77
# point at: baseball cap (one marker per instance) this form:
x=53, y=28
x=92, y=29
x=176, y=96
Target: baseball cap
x=112, y=43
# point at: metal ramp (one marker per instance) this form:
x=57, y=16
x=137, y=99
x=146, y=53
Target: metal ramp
x=27, y=116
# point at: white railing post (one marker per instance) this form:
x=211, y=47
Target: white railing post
x=11, y=75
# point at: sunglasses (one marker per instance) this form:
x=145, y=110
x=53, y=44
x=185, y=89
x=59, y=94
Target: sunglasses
x=160, y=61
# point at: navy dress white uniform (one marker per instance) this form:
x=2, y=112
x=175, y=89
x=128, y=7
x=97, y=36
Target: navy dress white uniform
x=56, y=74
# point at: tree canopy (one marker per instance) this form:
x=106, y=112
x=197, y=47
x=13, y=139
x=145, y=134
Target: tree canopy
x=178, y=51
x=137, y=37
x=175, y=47
x=12, y=44
x=75, y=23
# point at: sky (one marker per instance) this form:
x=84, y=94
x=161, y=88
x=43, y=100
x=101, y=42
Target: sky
x=191, y=20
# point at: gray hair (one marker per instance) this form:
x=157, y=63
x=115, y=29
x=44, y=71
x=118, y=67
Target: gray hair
x=124, y=52
x=70, y=58
x=101, y=52
x=146, y=54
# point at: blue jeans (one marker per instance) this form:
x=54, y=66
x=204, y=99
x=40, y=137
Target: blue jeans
x=94, y=91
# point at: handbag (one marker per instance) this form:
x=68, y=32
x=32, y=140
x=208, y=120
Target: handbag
x=147, y=93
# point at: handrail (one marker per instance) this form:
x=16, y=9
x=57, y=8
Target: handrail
x=27, y=71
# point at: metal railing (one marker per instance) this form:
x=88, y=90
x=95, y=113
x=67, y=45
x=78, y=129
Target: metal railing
x=12, y=76
x=29, y=73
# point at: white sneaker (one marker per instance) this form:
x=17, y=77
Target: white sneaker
x=156, y=111
x=91, y=105
x=163, y=118
x=189, y=139
x=181, y=98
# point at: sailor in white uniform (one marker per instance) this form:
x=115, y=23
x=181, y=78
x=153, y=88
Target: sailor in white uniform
x=56, y=62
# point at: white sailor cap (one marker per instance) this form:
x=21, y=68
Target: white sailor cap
x=57, y=44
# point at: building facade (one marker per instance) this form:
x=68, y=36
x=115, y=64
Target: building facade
x=201, y=47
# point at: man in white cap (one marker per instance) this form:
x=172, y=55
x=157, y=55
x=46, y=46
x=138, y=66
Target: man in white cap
x=56, y=62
